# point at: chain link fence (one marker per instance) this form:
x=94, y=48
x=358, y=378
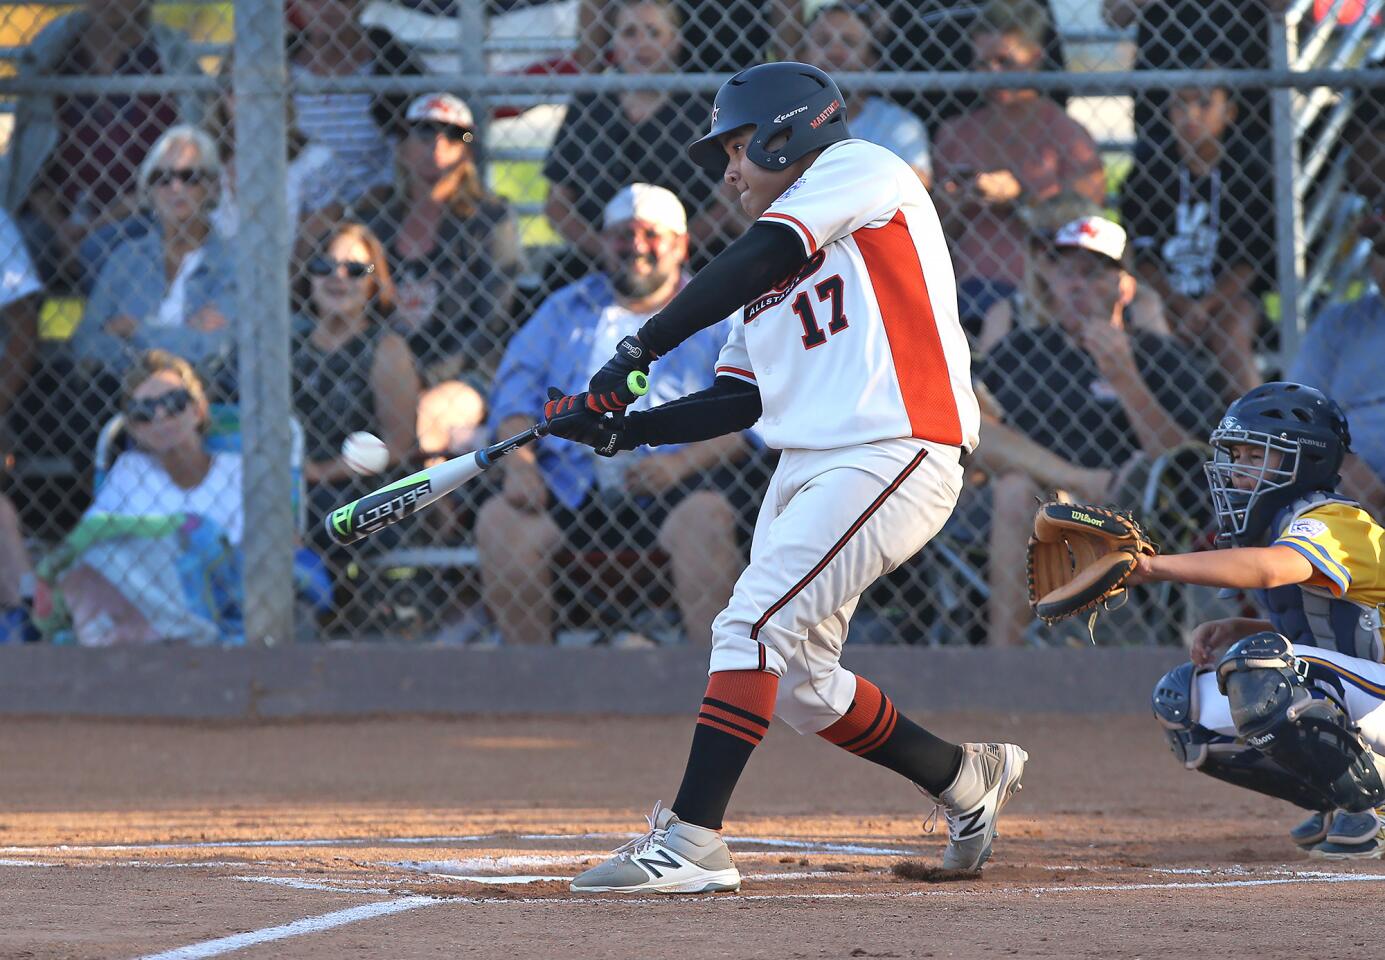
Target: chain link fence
x=236, y=233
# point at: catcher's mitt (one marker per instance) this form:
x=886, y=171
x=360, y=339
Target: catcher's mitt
x=1080, y=556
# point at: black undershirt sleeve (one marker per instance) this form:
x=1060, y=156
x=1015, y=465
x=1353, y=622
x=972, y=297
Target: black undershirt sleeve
x=758, y=259
x=729, y=405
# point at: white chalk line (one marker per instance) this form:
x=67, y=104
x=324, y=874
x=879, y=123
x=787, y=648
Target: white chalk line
x=228, y=844
x=26, y=863
x=299, y=884
x=308, y=925
x=298, y=928
x=803, y=846
x=916, y=894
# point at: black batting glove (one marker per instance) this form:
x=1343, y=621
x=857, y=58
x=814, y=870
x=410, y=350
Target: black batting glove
x=570, y=418
x=606, y=391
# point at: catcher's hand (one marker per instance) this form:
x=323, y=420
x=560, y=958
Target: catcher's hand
x=1080, y=556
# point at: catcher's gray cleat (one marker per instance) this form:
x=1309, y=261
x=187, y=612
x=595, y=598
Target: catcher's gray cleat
x=1312, y=831
x=989, y=777
x=672, y=857
x=1351, y=836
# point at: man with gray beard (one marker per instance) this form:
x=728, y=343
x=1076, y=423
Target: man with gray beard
x=556, y=494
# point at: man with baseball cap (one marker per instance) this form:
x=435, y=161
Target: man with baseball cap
x=558, y=493
x=1090, y=390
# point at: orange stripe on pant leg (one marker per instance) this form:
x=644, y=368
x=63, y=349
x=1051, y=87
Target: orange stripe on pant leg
x=738, y=732
x=862, y=717
x=750, y=690
x=882, y=733
x=713, y=712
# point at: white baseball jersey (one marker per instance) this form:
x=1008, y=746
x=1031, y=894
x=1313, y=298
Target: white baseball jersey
x=863, y=343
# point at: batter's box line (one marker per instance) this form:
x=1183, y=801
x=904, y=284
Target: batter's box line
x=784, y=843
x=1300, y=877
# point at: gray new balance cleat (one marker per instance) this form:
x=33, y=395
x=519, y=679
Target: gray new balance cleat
x=1351, y=836
x=1312, y=831
x=989, y=777
x=673, y=857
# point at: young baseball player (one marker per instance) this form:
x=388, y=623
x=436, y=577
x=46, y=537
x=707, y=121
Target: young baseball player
x=1296, y=707
x=846, y=348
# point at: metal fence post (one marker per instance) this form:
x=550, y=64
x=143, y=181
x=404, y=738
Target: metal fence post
x=262, y=256
x=471, y=25
x=1288, y=209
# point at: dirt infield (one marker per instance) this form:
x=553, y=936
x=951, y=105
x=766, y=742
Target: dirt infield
x=434, y=838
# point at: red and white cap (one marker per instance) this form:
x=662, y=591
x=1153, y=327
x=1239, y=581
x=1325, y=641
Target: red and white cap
x=1096, y=234
x=648, y=204
x=442, y=108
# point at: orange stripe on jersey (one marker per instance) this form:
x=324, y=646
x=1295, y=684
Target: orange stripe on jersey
x=798, y=224
x=892, y=261
x=737, y=371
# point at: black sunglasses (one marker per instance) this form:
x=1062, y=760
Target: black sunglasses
x=191, y=176
x=172, y=403
x=428, y=129
x=324, y=267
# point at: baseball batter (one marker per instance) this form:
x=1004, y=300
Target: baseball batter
x=846, y=348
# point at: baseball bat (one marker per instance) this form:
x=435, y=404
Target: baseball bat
x=390, y=504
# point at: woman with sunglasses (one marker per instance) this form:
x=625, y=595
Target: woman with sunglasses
x=350, y=370
x=174, y=288
x=454, y=246
x=116, y=591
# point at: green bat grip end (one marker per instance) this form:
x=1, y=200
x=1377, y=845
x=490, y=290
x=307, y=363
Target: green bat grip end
x=637, y=382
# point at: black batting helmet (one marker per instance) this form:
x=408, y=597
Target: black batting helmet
x=774, y=98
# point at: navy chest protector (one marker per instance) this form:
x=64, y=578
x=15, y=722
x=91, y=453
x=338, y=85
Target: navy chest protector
x=1311, y=617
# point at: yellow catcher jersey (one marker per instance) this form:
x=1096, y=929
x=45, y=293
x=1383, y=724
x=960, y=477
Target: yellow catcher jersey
x=1345, y=546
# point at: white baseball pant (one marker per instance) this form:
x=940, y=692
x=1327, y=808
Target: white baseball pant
x=832, y=522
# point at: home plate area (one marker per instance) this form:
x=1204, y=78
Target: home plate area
x=427, y=838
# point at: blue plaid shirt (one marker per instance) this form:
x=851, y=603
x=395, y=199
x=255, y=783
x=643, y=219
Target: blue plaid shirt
x=554, y=348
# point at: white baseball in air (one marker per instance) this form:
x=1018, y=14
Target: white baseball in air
x=365, y=452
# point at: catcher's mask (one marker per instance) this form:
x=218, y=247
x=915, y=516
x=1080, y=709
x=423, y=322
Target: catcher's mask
x=774, y=98
x=1302, y=437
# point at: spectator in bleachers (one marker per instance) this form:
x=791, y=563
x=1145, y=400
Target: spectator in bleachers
x=934, y=36
x=1341, y=352
x=1033, y=304
x=327, y=39
x=1087, y=390
x=160, y=514
x=1018, y=148
x=350, y=370
x=174, y=287
x=72, y=164
x=610, y=139
x=20, y=293
x=719, y=36
x=19, y=297
x=557, y=493
x=1201, y=224
x=313, y=175
x=453, y=246
x=16, y=579
x=1190, y=34
x=838, y=39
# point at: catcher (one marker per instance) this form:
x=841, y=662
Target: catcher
x=1295, y=708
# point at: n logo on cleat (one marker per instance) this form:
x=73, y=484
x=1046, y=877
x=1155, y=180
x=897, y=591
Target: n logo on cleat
x=665, y=860
x=973, y=823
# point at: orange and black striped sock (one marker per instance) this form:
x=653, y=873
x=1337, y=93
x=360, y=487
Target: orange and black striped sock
x=734, y=718
x=874, y=729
